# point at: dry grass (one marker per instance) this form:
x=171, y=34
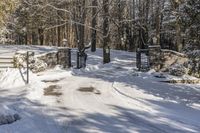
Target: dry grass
x=86, y=89
x=89, y=89
x=52, y=90
x=52, y=81
x=183, y=81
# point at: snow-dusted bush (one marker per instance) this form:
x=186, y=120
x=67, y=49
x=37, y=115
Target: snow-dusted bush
x=194, y=63
x=194, y=54
x=179, y=64
x=38, y=65
x=178, y=70
x=35, y=64
x=7, y=119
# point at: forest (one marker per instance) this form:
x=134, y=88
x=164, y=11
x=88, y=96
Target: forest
x=99, y=66
x=117, y=24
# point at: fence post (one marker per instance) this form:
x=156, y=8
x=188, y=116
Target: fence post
x=27, y=63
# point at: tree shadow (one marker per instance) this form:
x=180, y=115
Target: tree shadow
x=35, y=117
x=173, y=107
x=126, y=120
x=22, y=75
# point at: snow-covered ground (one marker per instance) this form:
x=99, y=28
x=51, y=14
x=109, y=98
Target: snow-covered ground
x=9, y=50
x=115, y=98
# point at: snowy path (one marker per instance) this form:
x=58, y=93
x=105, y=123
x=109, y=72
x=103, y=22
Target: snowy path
x=116, y=111
x=123, y=101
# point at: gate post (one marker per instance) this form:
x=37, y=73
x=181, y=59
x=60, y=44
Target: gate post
x=155, y=57
x=64, y=57
x=81, y=59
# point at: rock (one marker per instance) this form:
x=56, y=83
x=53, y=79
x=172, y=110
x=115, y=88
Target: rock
x=17, y=117
x=177, y=70
x=159, y=75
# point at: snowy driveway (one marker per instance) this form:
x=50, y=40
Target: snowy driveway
x=116, y=99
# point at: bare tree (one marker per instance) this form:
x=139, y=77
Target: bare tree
x=175, y=6
x=94, y=24
x=158, y=22
x=106, y=48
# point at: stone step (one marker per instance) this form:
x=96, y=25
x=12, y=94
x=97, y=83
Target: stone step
x=6, y=62
x=6, y=57
x=6, y=65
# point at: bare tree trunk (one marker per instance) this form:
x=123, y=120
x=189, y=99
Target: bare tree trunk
x=120, y=27
x=162, y=35
x=152, y=22
x=158, y=22
x=41, y=36
x=134, y=9
x=175, y=6
x=147, y=5
x=82, y=25
x=80, y=17
x=58, y=36
x=106, y=48
x=178, y=35
x=133, y=38
x=34, y=38
x=94, y=23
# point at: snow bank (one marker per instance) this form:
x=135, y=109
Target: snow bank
x=5, y=110
x=16, y=78
x=54, y=74
x=12, y=78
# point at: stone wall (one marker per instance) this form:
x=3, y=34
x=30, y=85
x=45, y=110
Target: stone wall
x=42, y=62
x=155, y=57
x=194, y=63
x=64, y=57
x=174, y=62
x=170, y=58
x=50, y=59
x=35, y=64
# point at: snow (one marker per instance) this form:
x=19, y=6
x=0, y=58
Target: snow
x=7, y=81
x=9, y=50
x=128, y=101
